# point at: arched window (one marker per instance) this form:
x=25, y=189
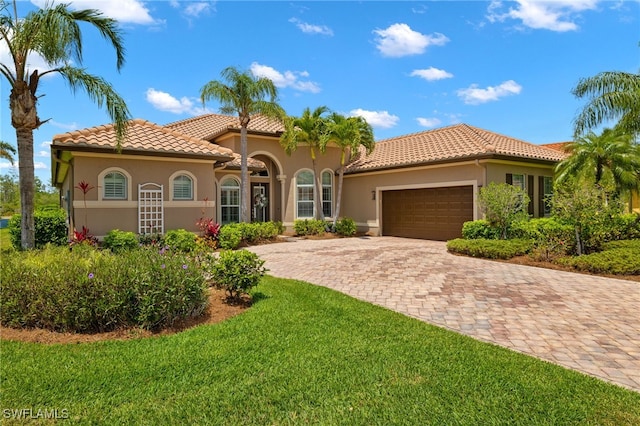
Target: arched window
x=114, y=186
x=327, y=193
x=182, y=188
x=230, y=201
x=304, y=190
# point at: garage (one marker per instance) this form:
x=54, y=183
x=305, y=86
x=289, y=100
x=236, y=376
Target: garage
x=427, y=213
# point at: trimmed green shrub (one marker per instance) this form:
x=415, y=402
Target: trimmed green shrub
x=490, y=249
x=550, y=237
x=481, y=228
x=230, y=237
x=627, y=244
x=346, y=227
x=617, y=261
x=304, y=227
x=181, y=240
x=90, y=290
x=120, y=241
x=50, y=228
x=623, y=227
x=237, y=272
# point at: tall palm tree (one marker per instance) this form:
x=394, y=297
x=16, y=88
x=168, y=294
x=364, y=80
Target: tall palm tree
x=53, y=33
x=612, y=95
x=245, y=95
x=349, y=134
x=308, y=130
x=7, y=151
x=612, y=155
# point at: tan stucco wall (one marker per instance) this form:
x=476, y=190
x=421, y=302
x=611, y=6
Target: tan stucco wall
x=105, y=215
x=358, y=194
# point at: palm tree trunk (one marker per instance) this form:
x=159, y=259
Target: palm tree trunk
x=339, y=200
x=27, y=187
x=317, y=193
x=244, y=176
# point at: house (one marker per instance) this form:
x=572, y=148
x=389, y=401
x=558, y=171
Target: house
x=422, y=185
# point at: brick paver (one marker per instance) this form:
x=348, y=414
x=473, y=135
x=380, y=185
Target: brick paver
x=586, y=323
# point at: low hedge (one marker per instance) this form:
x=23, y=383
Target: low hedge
x=616, y=261
x=50, y=228
x=490, y=249
x=232, y=235
x=304, y=227
x=480, y=228
x=90, y=290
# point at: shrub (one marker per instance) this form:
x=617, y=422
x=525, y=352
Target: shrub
x=624, y=261
x=151, y=239
x=623, y=227
x=490, y=249
x=237, y=272
x=181, y=240
x=120, y=241
x=550, y=238
x=83, y=237
x=630, y=244
x=346, y=227
x=208, y=228
x=90, y=290
x=481, y=228
x=50, y=228
x=229, y=237
x=304, y=227
x=503, y=204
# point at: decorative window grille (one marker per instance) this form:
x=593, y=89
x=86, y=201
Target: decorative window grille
x=150, y=209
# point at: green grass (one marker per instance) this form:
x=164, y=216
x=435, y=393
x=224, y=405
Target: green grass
x=306, y=355
x=5, y=240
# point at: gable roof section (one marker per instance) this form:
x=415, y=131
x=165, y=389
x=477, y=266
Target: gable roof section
x=143, y=137
x=445, y=145
x=211, y=126
x=558, y=146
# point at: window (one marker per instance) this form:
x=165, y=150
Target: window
x=327, y=194
x=304, y=187
x=547, y=186
x=114, y=186
x=182, y=188
x=519, y=181
x=230, y=201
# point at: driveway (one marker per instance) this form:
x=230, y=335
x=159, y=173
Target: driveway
x=582, y=322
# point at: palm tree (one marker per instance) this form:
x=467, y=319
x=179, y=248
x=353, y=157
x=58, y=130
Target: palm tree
x=308, y=130
x=7, y=151
x=244, y=95
x=53, y=33
x=612, y=95
x=612, y=155
x=349, y=134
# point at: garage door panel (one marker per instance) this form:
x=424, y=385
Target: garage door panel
x=428, y=213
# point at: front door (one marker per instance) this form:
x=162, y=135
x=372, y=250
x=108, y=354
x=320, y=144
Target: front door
x=260, y=202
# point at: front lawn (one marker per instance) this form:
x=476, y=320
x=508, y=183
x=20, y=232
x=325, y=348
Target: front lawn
x=305, y=355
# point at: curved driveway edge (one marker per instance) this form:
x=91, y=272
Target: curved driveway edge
x=586, y=323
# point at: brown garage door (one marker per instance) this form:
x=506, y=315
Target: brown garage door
x=428, y=213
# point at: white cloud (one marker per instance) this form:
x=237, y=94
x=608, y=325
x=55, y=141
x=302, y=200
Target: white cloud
x=43, y=154
x=380, y=119
x=66, y=126
x=288, y=79
x=428, y=122
x=473, y=95
x=37, y=165
x=400, y=40
x=165, y=102
x=431, y=74
x=310, y=28
x=556, y=15
x=124, y=11
x=195, y=9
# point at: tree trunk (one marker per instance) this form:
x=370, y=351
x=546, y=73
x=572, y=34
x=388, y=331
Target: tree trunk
x=244, y=175
x=339, y=200
x=317, y=193
x=24, y=119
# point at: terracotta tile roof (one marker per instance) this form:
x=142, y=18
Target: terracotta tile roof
x=210, y=126
x=558, y=146
x=252, y=163
x=447, y=144
x=142, y=137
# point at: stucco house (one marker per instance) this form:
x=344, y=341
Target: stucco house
x=422, y=185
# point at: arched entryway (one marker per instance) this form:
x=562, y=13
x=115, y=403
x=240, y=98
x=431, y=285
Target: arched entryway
x=266, y=190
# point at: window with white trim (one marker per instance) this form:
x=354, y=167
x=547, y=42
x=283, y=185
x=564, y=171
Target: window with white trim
x=230, y=201
x=304, y=191
x=327, y=194
x=114, y=186
x=519, y=181
x=182, y=188
x=547, y=193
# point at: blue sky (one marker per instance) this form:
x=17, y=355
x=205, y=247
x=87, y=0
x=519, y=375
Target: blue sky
x=405, y=66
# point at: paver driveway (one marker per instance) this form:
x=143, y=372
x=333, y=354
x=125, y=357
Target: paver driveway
x=586, y=323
